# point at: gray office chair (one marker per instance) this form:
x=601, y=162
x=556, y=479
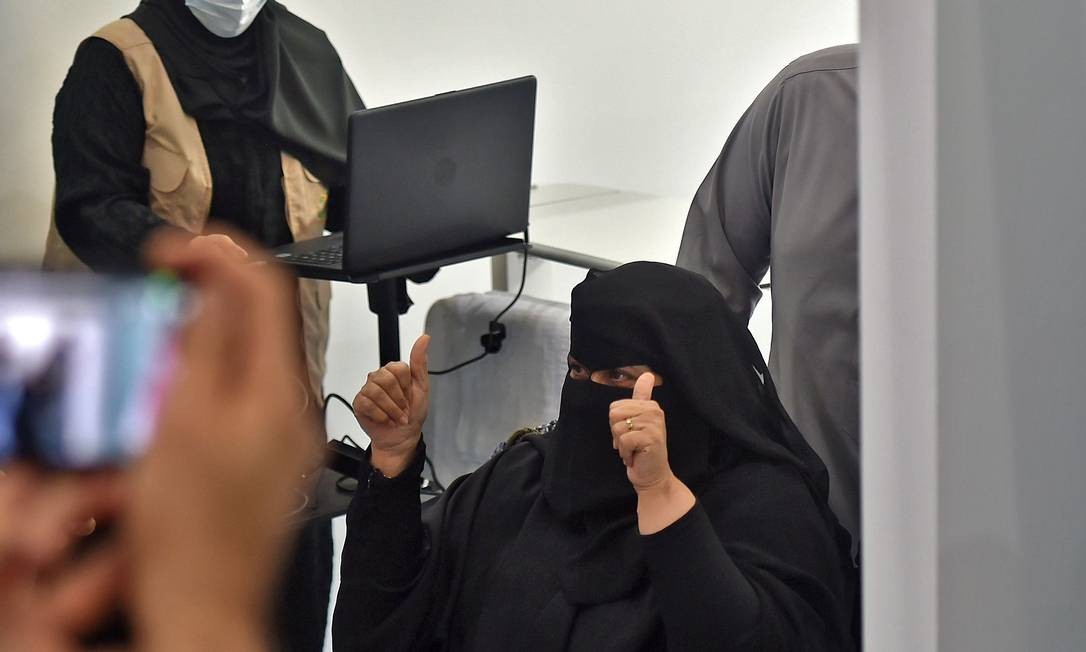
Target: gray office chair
x=474, y=409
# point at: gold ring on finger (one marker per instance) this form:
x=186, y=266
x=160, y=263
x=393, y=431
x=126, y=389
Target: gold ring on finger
x=629, y=423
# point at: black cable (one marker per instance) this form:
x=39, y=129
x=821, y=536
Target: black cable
x=460, y=365
x=324, y=410
x=433, y=475
x=497, y=319
x=348, y=440
x=523, y=275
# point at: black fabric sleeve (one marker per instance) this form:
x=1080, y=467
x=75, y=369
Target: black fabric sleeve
x=383, y=553
x=698, y=600
x=102, y=210
x=752, y=566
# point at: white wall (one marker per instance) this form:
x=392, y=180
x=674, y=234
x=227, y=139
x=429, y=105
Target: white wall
x=974, y=289
x=634, y=95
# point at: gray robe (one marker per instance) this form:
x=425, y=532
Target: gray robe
x=783, y=194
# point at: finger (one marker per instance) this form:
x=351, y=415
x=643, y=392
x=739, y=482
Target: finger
x=168, y=243
x=629, y=407
x=367, y=409
x=618, y=428
x=86, y=594
x=18, y=481
x=621, y=421
x=384, y=402
x=229, y=248
x=53, y=512
x=17, y=486
x=402, y=372
x=642, y=390
x=227, y=240
x=383, y=384
x=104, y=495
x=647, y=427
x=420, y=363
x=633, y=443
x=395, y=377
x=50, y=512
x=642, y=414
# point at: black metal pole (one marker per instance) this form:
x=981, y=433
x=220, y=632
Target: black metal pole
x=384, y=302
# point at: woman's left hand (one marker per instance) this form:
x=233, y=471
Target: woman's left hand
x=639, y=435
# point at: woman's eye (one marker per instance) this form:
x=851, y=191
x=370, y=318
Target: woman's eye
x=618, y=374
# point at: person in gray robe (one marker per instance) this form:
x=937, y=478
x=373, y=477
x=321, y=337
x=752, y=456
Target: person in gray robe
x=783, y=196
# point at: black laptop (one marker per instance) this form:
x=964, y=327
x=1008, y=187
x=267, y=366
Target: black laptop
x=431, y=182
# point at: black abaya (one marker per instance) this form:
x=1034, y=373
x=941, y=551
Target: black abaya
x=480, y=568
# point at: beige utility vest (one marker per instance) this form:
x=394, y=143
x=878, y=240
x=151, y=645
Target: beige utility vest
x=173, y=153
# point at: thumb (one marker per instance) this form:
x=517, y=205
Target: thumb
x=420, y=362
x=642, y=390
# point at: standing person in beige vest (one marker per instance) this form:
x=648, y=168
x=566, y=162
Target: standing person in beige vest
x=188, y=114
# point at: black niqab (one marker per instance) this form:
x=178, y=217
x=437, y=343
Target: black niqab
x=676, y=322
x=281, y=74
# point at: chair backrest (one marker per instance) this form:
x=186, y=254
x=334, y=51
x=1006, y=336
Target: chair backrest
x=474, y=409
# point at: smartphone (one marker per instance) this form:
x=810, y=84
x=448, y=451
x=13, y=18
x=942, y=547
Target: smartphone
x=85, y=362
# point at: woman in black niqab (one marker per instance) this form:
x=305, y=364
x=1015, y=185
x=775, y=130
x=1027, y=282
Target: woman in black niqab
x=540, y=548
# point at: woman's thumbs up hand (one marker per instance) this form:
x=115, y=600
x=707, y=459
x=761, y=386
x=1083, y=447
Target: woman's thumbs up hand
x=391, y=407
x=639, y=435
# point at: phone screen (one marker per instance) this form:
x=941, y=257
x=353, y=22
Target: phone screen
x=85, y=361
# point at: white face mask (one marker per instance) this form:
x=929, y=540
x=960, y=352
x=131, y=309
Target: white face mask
x=225, y=18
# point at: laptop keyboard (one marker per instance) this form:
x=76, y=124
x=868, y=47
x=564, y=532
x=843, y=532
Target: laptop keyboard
x=332, y=256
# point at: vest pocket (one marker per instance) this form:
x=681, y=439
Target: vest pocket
x=306, y=198
x=317, y=194
x=167, y=168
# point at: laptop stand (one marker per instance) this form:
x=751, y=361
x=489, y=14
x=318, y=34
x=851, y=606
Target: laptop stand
x=384, y=287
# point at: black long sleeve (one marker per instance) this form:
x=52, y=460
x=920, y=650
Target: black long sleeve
x=700, y=590
x=383, y=552
x=101, y=185
x=751, y=559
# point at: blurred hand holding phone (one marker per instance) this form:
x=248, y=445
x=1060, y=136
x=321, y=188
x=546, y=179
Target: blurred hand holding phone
x=104, y=365
x=85, y=363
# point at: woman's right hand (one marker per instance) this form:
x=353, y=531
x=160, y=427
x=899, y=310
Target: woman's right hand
x=391, y=407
